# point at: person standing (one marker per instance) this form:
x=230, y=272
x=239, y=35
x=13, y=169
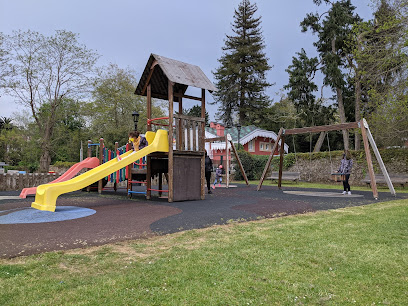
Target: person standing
x=345, y=169
x=208, y=170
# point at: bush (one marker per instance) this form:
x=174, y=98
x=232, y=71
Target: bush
x=254, y=164
x=6, y=168
x=63, y=164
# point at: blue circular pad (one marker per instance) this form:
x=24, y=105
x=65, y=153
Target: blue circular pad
x=31, y=215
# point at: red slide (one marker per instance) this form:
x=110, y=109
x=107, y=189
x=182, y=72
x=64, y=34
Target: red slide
x=90, y=162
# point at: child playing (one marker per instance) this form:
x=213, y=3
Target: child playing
x=218, y=176
x=138, y=141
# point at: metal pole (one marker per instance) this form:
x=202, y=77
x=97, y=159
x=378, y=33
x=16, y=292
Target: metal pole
x=81, y=153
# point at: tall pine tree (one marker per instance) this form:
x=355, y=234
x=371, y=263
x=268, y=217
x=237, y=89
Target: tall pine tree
x=241, y=77
x=301, y=86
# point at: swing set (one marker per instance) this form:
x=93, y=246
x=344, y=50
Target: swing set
x=367, y=139
x=335, y=176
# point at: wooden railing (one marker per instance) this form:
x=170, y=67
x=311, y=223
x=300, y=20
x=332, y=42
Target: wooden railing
x=189, y=133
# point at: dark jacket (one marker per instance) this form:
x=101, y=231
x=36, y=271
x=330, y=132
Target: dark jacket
x=143, y=142
x=218, y=173
x=208, y=164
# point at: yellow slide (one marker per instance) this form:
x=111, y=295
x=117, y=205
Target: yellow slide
x=46, y=196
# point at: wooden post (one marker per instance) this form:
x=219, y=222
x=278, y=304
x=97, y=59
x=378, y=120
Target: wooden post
x=128, y=175
x=379, y=159
x=148, y=177
x=201, y=145
x=180, y=125
x=369, y=160
x=100, y=163
x=160, y=183
x=281, y=152
x=148, y=159
x=149, y=106
x=268, y=163
x=187, y=128
x=115, y=186
x=88, y=189
x=239, y=162
x=171, y=161
x=227, y=160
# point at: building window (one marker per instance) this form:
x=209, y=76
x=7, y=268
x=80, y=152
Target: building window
x=251, y=146
x=265, y=147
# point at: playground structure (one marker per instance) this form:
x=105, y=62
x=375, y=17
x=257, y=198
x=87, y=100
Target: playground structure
x=179, y=152
x=46, y=196
x=105, y=155
x=183, y=164
x=367, y=139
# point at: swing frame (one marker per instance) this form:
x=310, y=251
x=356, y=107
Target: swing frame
x=228, y=142
x=367, y=140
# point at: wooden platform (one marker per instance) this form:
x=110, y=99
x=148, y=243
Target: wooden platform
x=138, y=171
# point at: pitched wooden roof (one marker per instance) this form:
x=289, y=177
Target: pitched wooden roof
x=160, y=69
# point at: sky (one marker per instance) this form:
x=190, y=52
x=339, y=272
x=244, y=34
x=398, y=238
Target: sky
x=126, y=32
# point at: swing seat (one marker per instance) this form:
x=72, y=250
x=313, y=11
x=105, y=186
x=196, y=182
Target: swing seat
x=286, y=176
x=337, y=177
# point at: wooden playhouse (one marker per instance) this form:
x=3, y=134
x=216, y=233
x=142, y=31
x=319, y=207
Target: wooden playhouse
x=183, y=165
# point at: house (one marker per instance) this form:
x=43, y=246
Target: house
x=254, y=140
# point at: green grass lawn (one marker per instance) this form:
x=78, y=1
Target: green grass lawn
x=355, y=255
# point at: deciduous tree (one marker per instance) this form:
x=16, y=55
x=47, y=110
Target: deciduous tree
x=110, y=112
x=3, y=61
x=45, y=70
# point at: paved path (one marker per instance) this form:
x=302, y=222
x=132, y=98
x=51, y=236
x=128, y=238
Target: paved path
x=112, y=217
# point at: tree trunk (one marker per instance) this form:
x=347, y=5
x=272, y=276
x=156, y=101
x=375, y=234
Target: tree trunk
x=342, y=113
x=319, y=142
x=342, y=117
x=357, y=111
x=45, y=159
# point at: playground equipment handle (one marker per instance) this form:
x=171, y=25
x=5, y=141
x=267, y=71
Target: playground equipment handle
x=150, y=121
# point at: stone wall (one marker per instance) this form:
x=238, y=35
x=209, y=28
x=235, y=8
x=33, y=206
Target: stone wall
x=319, y=170
x=17, y=181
